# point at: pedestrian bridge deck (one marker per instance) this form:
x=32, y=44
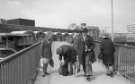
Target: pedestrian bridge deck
x=99, y=72
x=20, y=68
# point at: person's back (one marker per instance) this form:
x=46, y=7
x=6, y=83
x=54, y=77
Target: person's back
x=68, y=52
x=107, y=53
x=107, y=46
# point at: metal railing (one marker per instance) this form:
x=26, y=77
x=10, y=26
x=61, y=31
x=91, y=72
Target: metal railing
x=125, y=57
x=21, y=67
x=124, y=60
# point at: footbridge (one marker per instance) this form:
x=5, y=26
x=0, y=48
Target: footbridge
x=23, y=67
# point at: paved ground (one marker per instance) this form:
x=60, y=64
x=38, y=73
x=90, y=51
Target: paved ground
x=101, y=78
x=98, y=69
x=99, y=72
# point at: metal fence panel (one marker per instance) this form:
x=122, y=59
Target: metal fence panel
x=20, y=67
x=124, y=60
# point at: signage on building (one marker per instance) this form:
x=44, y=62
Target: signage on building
x=131, y=33
x=131, y=28
x=131, y=37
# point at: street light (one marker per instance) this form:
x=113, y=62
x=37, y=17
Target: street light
x=112, y=20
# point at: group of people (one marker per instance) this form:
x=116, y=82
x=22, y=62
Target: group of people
x=80, y=53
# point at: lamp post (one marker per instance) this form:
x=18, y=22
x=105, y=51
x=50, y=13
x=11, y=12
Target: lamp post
x=112, y=21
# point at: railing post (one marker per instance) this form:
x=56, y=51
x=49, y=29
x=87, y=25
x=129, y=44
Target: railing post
x=0, y=74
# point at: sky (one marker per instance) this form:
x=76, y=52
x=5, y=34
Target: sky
x=62, y=13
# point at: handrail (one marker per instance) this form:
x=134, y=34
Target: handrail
x=20, y=67
x=120, y=45
x=10, y=57
x=11, y=27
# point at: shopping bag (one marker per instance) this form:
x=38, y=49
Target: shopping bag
x=63, y=70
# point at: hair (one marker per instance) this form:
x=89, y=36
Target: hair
x=85, y=30
x=84, y=24
x=40, y=34
x=59, y=50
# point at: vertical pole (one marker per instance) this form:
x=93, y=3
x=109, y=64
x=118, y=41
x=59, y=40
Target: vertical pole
x=112, y=20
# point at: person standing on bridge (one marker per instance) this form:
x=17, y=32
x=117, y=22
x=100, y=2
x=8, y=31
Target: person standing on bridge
x=88, y=53
x=107, y=54
x=78, y=45
x=47, y=53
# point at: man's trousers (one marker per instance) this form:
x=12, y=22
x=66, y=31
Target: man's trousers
x=87, y=64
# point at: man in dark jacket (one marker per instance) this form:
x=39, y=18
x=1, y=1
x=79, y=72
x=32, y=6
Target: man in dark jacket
x=88, y=53
x=68, y=53
x=107, y=54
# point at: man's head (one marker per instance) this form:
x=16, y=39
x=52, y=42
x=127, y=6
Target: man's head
x=40, y=35
x=83, y=25
x=49, y=35
x=84, y=31
x=106, y=36
x=59, y=50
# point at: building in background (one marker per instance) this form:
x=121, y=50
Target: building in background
x=131, y=33
x=20, y=21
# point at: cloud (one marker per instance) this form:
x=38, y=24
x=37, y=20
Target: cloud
x=64, y=12
x=14, y=3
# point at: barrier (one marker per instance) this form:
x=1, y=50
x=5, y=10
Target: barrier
x=124, y=60
x=125, y=56
x=21, y=67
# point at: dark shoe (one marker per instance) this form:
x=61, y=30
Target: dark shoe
x=110, y=74
x=43, y=75
x=87, y=75
x=88, y=78
x=46, y=73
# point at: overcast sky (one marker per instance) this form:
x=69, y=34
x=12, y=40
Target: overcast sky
x=61, y=13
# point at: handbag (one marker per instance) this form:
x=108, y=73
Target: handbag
x=63, y=70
